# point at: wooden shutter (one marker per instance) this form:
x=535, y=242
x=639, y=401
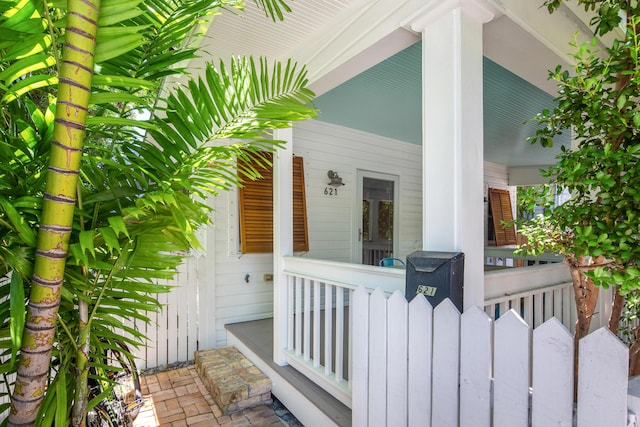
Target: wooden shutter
x=501, y=210
x=300, y=231
x=256, y=210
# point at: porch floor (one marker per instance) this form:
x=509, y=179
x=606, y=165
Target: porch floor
x=257, y=336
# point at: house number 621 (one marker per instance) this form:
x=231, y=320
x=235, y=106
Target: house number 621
x=330, y=191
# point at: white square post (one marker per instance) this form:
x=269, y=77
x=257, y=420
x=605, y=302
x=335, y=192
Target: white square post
x=282, y=237
x=453, y=158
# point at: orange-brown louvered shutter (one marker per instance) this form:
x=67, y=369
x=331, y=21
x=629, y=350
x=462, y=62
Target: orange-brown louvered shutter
x=501, y=210
x=300, y=231
x=256, y=210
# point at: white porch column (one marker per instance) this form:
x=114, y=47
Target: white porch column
x=452, y=138
x=282, y=237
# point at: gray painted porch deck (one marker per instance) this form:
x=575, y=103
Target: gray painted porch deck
x=257, y=336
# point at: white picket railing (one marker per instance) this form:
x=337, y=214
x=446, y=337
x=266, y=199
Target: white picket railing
x=467, y=370
x=318, y=317
x=537, y=293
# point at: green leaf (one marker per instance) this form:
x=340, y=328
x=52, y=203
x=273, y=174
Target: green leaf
x=17, y=310
x=30, y=45
x=110, y=239
x=25, y=66
x=114, y=12
x=77, y=255
x=110, y=32
x=61, y=400
x=113, y=97
x=119, y=121
x=26, y=233
x=121, y=81
x=26, y=85
x=118, y=225
x=118, y=46
x=86, y=241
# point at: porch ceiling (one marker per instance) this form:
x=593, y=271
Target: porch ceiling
x=385, y=99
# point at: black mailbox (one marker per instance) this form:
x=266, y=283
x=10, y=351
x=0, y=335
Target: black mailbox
x=436, y=275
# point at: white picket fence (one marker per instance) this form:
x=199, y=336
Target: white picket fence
x=183, y=324
x=419, y=366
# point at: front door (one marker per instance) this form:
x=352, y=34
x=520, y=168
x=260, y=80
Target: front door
x=378, y=222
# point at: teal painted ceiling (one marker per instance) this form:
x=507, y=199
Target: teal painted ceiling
x=386, y=100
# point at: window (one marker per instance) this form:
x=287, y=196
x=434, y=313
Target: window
x=256, y=210
x=385, y=220
x=500, y=209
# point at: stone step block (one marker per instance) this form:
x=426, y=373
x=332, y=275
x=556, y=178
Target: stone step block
x=232, y=380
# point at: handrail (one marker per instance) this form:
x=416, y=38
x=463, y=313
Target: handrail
x=511, y=281
x=347, y=275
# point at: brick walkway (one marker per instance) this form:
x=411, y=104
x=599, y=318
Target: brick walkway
x=178, y=398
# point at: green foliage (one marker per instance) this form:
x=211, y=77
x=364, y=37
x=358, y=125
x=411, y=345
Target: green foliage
x=151, y=159
x=630, y=317
x=532, y=198
x=598, y=101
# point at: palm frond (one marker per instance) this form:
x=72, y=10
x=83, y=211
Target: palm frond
x=273, y=8
x=26, y=50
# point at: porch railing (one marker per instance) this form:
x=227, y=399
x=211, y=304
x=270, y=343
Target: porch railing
x=318, y=317
x=538, y=293
x=319, y=320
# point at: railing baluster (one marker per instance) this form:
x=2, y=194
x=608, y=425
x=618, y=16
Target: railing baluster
x=503, y=308
x=548, y=306
x=567, y=314
x=538, y=309
x=298, y=315
x=290, y=311
x=528, y=309
x=306, y=335
x=316, y=324
x=328, y=328
x=350, y=340
x=339, y=334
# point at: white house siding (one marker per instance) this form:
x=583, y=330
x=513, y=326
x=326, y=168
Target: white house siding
x=327, y=147
x=324, y=147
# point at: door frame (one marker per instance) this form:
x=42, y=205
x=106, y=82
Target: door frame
x=361, y=174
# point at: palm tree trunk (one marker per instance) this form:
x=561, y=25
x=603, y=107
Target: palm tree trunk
x=74, y=90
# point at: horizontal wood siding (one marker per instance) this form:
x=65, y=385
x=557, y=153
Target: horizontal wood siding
x=327, y=147
x=323, y=147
